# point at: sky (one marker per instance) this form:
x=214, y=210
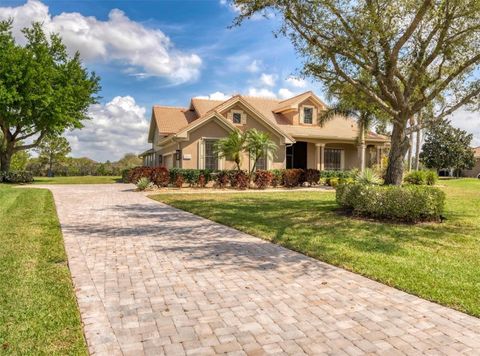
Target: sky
x=166, y=52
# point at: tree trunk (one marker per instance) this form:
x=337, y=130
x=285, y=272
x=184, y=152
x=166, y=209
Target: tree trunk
x=5, y=160
x=417, y=150
x=399, y=147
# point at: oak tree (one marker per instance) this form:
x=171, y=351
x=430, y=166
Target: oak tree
x=403, y=55
x=43, y=91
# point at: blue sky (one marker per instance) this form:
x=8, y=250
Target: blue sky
x=165, y=52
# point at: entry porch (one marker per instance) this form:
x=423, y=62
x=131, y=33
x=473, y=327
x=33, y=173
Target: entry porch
x=333, y=155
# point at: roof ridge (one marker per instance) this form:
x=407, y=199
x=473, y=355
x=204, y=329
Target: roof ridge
x=293, y=97
x=170, y=107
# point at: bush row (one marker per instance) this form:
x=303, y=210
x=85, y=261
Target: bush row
x=409, y=203
x=162, y=177
x=16, y=177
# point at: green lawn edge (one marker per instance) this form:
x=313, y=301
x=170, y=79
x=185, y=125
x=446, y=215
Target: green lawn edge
x=39, y=313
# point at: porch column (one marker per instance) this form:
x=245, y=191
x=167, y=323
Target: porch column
x=361, y=152
x=379, y=156
x=320, y=156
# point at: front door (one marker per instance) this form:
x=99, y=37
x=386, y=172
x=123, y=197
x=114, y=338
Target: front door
x=297, y=155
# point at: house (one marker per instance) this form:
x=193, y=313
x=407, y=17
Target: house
x=185, y=137
x=475, y=171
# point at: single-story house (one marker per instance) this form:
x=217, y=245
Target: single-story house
x=475, y=171
x=185, y=137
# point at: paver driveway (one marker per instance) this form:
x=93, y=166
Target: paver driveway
x=153, y=279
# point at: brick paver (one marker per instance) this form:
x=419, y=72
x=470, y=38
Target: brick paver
x=151, y=279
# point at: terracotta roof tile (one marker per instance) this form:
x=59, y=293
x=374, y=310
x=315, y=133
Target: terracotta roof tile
x=171, y=119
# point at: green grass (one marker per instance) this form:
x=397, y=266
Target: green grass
x=439, y=262
x=77, y=180
x=38, y=310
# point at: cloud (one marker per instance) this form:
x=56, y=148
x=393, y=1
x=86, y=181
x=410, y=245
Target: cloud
x=118, y=40
x=254, y=67
x=285, y=93
x=116, y=128
x=296, y=82
x=215, y=96
x=268, y=79
x=238, y=10
x=263, y=92
x=468, y=121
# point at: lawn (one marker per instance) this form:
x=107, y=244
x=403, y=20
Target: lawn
x=77, y=180
x=38, y=310
x=439, y=262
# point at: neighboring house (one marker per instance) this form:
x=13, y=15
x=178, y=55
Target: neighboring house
x=185, y=137
x=475, y=171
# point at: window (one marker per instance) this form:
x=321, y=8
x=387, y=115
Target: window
x=237, y=118
x=211, y=158
x=307, y=115
x=261, y=162
x=160, y=160
x=333, y=159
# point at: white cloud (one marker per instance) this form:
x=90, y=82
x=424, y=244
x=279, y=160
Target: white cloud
x=117, y=39
x=268, y=79
x=285, y=93
x=468, y=121
x=215, y=96
x=116, y=128
x=238, y=10
x=254, y=67
x=263, y=92
x=296, y=82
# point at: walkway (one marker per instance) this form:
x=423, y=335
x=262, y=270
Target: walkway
x=151, y=279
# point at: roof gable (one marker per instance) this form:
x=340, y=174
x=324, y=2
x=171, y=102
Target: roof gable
x=292, y=103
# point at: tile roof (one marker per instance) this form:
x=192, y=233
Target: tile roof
x=476, y=151
x=171, y=119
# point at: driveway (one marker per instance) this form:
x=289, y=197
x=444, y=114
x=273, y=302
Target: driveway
x=151, y=279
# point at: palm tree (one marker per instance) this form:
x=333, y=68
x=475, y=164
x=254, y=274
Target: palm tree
x=259, y=145
x=365, y=120
x=231, y=147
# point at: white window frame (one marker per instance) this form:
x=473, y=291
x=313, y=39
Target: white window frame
x=302, y=114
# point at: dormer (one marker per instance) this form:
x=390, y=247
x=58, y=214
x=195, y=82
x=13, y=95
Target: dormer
x=302, y=109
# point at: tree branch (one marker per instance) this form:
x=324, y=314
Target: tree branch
x=32, y=145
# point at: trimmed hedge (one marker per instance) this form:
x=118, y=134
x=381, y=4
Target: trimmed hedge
x=399, y=203
x=16, y=177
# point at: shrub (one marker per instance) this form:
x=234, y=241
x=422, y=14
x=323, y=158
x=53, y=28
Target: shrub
x=337, y=174
x=139, y=172
x=292, y=177
x=238, y=179
x=126, y=175
x=312, y=176
x=432, y=177
x=179, y=181
x=421, y=178
x=368, y=176
x=262, y=179
x=160, y=176
x=144, y=184
x=202, y=181
x=407, y=203
x=416, y=178
x=16, y=177
x=333, y=182
x=221, y=179
x=277, y=177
